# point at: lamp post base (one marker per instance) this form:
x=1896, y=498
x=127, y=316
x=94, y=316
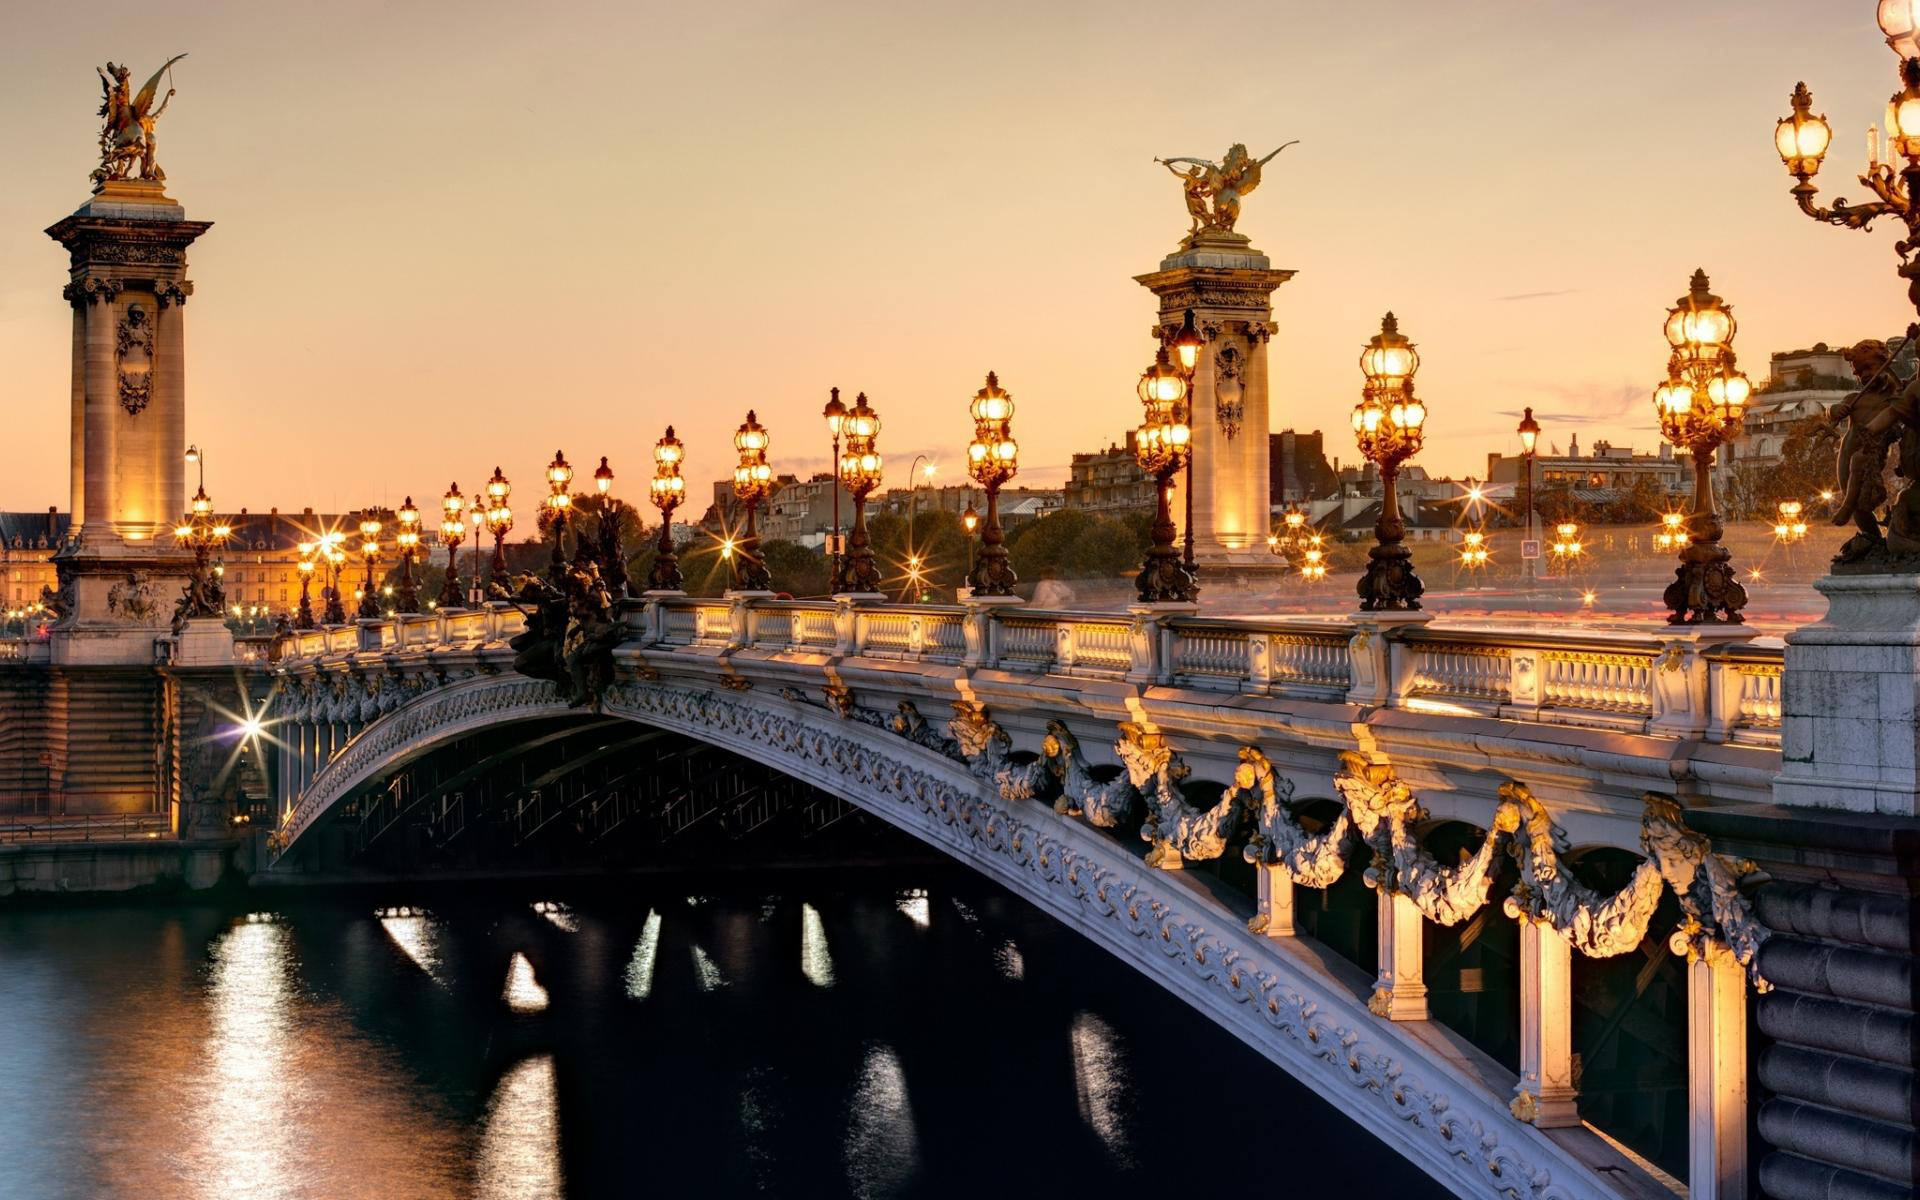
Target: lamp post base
x=1390, y=584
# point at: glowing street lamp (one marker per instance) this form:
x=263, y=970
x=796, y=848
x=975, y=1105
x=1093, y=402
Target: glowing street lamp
x=993, y=457
x=1790, y=527
x=860, y=468
x=369, y=609
x=407, y=540
x=303, y=617
x=1702, y=405
x=1313, y=559
x=1673, y=532
x=204, y=533
x=453, y=531
x=667, y=489
x=1474, y=553
x=613, y=561
x=1567, y=545
x=335, y=557
x=1389, y=425
x=1185, y=346
x=499, y=523
x=559, y=510
x=752, y=484
x=1162, y=445
x=835, y=415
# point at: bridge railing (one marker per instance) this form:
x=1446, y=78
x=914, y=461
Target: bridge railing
x=1653, y=681
x=25, y=650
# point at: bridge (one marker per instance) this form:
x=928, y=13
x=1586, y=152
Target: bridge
x=1282, y=822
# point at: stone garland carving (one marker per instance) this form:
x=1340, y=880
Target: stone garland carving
x=1485, y=1150
x=909, y=724
x=1548, y=894
x=1106, y=804
x=1311, y=860
x=1176, y=829
x=1385, y=812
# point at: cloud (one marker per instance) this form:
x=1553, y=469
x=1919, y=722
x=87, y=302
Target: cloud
x=1597, y=404
x=1536, y=295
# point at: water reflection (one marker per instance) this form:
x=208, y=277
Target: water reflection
x=524, y=993
x=640, y=967
x=415, y=936
x=315, y=1054
x=706, y=972
x=1100, y=1081
x=519, y=1156
x=914, y=904
x=249, y=1058
x=815, y=961
x=882, y=1147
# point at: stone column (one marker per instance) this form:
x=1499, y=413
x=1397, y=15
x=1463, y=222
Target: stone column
x=1276, y=899
x=1400, y=990
x=99, y=468
x=1229, y=286
x=1545, y=1094
x=1717, y=1077
x=127, y=248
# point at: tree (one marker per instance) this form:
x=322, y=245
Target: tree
x=1072, y=544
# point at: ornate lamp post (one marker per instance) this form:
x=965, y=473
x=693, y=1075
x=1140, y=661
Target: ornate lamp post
x=499, y=523
x=407, y=538
x=559, y=510
x=835, y=415
x=1701, y=405
x=860, y=469
x=330, y=549
x=752, y=484
x=668, y=488
x=370, y=548
x=1529, y=436
x=1185, y=345
x=1162, y=446
x=303, y=619
x=993, y=457
x=613, y=564
x=204, y=533
x=1803, y=138
x=1791, y=527
x=1389, y=425
x=970, y=521
x=476, y=515
x=1290, y=541
x=453, y=531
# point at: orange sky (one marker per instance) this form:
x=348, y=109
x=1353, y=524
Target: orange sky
x=450, y=235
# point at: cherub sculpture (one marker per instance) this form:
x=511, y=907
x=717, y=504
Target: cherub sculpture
x=1883, y=414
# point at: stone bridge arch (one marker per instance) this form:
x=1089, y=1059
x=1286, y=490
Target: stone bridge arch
x=1303, y=1014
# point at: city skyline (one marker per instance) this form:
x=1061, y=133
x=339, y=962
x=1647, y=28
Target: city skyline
x=620, y=244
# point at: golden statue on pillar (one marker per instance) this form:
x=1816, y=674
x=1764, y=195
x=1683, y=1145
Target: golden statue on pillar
x=127, y=143
x=1214, y=189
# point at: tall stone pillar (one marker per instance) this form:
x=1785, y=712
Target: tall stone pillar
x=1229, y=286
x=127, y=284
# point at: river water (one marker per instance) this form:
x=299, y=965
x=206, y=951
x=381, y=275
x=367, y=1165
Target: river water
x=843, y=1033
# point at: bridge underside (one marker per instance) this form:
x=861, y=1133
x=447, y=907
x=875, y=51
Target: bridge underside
x=579, y=792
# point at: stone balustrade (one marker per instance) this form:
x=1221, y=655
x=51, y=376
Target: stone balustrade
x=1644, y=682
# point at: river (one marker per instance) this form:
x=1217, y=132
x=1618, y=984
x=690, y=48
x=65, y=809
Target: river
x=828, y=1033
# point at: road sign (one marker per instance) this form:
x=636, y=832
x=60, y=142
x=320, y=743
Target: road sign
x=1530, y=548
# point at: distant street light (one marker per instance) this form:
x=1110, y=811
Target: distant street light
x=835, y=415
x=407, y=539
x=1529, y=435
x=453, y=531
x=1389, y=425
x=668, y=489
x=860, y=466
x=369, y=608
x=752, y=484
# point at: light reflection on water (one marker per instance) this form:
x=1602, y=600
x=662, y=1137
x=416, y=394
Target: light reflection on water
x=519, y=1156
x=881, y=1144
x=183, y=1052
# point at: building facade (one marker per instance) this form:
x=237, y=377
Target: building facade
x=1108, y=481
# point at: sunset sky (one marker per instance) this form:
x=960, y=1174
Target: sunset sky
x=454, y=235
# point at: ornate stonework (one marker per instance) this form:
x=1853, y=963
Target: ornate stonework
x=1370, y=1069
